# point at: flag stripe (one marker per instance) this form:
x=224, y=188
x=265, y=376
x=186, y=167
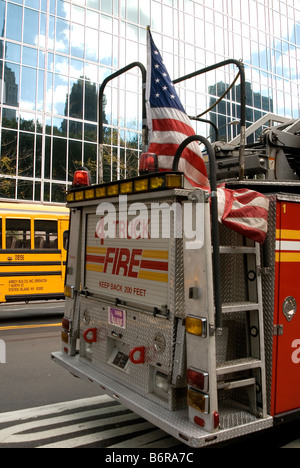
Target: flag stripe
x=243, y=210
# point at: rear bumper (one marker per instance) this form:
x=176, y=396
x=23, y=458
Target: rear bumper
x=175, y=423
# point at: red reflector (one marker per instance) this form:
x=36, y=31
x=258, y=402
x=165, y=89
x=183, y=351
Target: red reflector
x=66, y=324
x=199, y=421
x=197, y=379
x=148, y=163
x=81, y=179
x=216, y=419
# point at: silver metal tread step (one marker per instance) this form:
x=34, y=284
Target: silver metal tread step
x=224, y=249
x=238, y=365
x=244, y=306
x=230, y=384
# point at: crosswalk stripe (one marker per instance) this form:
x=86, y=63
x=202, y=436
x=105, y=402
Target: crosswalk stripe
x=98, y=437
x=80, y=426
x=54, y=408
x=98, y=420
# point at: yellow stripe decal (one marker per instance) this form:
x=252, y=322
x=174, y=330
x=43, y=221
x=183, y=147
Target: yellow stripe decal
x=96, y=250
x=287, y=257
x=93, y=267
x=291, y=234
x=149, y=275
x=157, y=254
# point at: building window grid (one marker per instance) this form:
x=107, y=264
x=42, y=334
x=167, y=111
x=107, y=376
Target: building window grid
x=272, y=73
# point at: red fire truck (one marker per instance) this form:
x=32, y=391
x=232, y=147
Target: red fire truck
x=199, y=335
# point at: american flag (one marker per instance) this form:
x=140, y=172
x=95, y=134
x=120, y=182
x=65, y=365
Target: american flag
x=168, y=122
x=243, y=210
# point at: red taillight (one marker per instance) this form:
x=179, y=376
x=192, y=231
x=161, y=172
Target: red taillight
x=148, y=163
x=82, y=178
x=66, y=324
x=197, y=379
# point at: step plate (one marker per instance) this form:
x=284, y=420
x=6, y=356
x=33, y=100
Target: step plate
x=175, y=423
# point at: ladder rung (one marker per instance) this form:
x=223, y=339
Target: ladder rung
x=230, y=384
x=239, y=306
x=224, y=249
x=238, y=365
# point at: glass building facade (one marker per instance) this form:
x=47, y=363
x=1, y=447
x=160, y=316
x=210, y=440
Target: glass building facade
x=55, y=54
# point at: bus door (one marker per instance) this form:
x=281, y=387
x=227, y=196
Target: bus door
x=14, y=258
x=49, y=257
x=63, y=236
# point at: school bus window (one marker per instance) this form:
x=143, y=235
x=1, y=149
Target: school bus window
x=45, y=234
x=18, y=234
x=0, y=233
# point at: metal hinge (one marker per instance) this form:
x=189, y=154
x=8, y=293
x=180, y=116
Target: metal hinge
x=278, y=330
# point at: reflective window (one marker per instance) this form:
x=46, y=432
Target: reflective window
x=13, y=52
x=91, y=44
x=31, y=27
x=132, y=11
x=40, y=91
x=48, y=145
x=62, y=36
x=63, y=9
x=60, y=95
x=33, y=4
x=59, y=158
x=1, y=233
x=76, y=99
x=76, y=70
x=29, y=56
x=26, y=154
x=18, y=235
x=14, y=22
x=77, y=40
x=11, y=84
x=42, y=37
x=8, y=159
x=28, y=87
x=75, y=157
x=106, y=6
x=38, y=156
x=90, y=132
x=75, y=129
x=2, y=16
x=90, y=103
x=62, y=64
x=9, y=118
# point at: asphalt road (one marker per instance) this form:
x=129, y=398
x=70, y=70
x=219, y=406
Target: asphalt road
x=42, y=405
x=30, y=378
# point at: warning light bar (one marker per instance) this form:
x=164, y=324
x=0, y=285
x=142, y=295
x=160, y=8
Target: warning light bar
x=159, y=181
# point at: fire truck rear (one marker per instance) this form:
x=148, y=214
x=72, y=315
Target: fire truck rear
x=147, y=266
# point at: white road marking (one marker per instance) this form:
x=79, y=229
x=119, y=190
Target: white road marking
x=89, y=421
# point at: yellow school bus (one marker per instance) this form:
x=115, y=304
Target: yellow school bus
x=33, y=242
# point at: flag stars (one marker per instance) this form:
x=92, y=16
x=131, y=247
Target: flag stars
x=157, y=66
